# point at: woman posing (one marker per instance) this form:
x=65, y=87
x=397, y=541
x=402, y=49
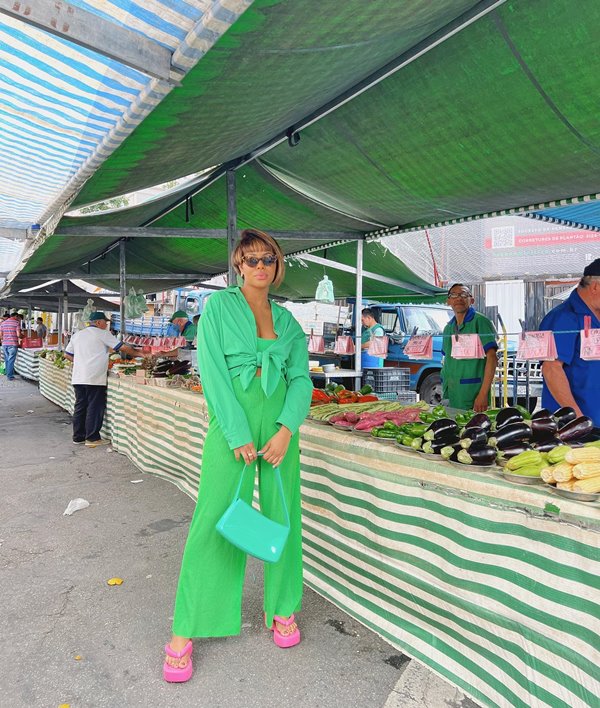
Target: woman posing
x=253, y=363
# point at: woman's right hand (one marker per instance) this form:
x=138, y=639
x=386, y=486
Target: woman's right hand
x=246, y=452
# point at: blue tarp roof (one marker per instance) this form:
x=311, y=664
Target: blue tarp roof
x=580, y=215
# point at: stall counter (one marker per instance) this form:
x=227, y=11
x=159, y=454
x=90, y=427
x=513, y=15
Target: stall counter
x=493, y=586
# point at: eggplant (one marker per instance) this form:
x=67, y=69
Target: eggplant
x=479, y=420
x=434, y=447
x=507, y=416
x=576, y=429
x=564, y=415
x=542, y=413
x=473, y=437
x=510, y=435
x=513, y=450
x=481, y=456
x=543, y=428
x=450, y=452
x=547, y=445
x=441, y=428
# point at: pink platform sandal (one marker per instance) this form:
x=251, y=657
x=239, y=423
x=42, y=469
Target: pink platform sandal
x=173, y=674
x=284, y=641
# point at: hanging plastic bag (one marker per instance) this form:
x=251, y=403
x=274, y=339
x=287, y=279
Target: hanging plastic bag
x=343, y=345
x=378, y=346
x=87, y=311
x=316, y=343
x=467, y=346
x=540, y=346
x=419, y=346
x=325, y=290
x=135, y=305
x=590, y=341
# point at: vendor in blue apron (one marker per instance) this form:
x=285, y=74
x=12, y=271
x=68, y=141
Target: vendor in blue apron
x=372, y=328
x=180, y=326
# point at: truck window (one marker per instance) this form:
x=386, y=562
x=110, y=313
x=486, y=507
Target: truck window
x=429, y=321
x=389, y=320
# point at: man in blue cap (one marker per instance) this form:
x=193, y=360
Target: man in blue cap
x=181, y=326
x=89, y=350
x=571, y=380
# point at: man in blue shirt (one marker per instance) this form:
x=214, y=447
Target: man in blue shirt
x=571, y=380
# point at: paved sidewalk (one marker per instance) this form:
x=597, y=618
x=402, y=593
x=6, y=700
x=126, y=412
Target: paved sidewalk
x=70, y=638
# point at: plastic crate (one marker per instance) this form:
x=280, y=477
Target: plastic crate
x=404, y=397
x=387, y=380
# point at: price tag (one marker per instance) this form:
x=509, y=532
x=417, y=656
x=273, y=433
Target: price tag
x=419, y=346
x=590, y=344
x=467, y=346
x=537, y=345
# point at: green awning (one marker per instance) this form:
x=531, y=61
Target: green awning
x=280, y=61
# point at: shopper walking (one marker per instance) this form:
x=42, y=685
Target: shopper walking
x=253, y=361
x=89, y=350
x=10, y=337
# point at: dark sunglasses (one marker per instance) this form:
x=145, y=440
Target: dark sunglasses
x=252, y=261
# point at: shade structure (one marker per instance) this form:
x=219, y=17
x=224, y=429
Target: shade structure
x=578, y=213
x=46, y=298
x=499, y=116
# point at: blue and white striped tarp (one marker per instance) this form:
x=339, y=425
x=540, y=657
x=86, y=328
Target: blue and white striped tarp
x=64, y=108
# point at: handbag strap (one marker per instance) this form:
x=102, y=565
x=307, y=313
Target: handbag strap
x=277, y=472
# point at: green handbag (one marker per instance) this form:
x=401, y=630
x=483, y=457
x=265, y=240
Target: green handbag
x=252, y=532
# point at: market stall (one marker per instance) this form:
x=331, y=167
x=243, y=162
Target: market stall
x=492, y=585
x=27, y=363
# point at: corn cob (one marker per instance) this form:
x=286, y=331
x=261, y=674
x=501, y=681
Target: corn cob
x=591, y=485
x=547, y=475
x=583, y=470
x=582, y=454
x=557, y=454
x=568, y=486
x=563, y=472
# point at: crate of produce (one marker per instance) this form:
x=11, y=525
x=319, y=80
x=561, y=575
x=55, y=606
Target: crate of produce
x=407, y=397
x=388, y=379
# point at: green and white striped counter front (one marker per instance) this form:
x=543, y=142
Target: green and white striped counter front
x=26, y=363
x=494, y=586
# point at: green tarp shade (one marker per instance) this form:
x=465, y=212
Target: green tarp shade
x=302, y=277
x=262, y=203
x=501, y=115
x=504, y=114
x=279, y=62
x=209, y=257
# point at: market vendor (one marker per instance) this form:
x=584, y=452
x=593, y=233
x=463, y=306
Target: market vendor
x=372, y=328
x=571, y=380
x=467, y=382
x=180, y=326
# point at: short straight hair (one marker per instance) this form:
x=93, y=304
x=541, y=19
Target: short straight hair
x=460, y=285
x=249, y=240
x=368, y=312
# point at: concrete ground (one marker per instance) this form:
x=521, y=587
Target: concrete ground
x=70, y=638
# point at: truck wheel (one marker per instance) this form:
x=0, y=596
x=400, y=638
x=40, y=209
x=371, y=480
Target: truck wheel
x=431, y=389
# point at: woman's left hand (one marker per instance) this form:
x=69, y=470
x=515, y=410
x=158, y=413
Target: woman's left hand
x=275, y=449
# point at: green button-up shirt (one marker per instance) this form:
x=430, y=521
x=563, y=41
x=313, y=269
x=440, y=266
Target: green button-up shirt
x=227, y=348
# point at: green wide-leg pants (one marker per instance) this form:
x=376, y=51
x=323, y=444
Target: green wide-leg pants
x=209, y=593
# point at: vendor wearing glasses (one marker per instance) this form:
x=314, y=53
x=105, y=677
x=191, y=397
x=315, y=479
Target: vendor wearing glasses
x=467, y=382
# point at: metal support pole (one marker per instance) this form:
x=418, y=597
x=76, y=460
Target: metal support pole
x=122, y=287
x=231, y=224
x=65, y=304
x=59, y=323
x=357, y=312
